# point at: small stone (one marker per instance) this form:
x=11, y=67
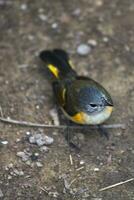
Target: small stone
x=39, y=164
x=23, y=155
x=28, y=133
x=54, y=194
x=105, y=39
x=28, y=162
x=37, y=107
x=92, y=42
x=23, y=7
x=18, y=140
x=4, y=142
x=43, y=17
x=82, y=162
x=9, y=177
x=44, y=149
x=32, y=139
x=96, y=169
x=54, y=25
x=1, y=194
x=83, y=49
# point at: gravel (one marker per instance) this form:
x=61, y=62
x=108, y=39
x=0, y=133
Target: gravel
x=23, y=155
x=40, y=139
x=83, y=49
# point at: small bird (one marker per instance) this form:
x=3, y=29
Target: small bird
x=82, y=100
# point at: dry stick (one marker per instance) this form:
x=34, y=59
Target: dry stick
x=1, y=112
x=71, y=159
x=116, y=184
x=25, y=123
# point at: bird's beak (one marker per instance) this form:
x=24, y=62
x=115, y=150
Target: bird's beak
x=109, y=103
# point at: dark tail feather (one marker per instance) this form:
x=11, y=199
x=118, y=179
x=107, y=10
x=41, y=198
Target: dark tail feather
x=58, y=62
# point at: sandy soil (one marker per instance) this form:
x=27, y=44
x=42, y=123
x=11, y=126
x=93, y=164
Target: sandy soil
x=26, y=27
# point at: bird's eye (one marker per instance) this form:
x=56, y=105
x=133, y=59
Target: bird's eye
x=93, y=105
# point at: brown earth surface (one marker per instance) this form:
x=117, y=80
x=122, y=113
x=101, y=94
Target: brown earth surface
x=26, y=27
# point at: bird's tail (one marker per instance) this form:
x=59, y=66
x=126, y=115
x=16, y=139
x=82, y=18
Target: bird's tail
x=58, y=63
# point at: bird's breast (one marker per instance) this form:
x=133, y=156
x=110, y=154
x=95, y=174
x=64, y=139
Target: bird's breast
x=91, y=119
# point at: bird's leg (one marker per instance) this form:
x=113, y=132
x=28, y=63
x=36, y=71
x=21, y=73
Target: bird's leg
x=103, y=132
x=68, y=137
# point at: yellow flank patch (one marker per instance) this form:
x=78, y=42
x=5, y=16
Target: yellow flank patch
x=79, y=118
x=54, y=70
x=109, y=109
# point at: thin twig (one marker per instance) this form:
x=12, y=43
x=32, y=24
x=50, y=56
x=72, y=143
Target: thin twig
x=78, y=169
x=1, y=112
x=37, y=125
x=116, y=184
x=71, y=159
x=43, y=189
x=72, y=182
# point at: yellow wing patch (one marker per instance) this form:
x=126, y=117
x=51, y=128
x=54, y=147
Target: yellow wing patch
x=54, y=70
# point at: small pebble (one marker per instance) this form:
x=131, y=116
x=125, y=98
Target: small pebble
x=4, y=142
x=96, y=169
x=54, y=25
x=39, y=164
x=24, y=156
x=28, y=133
x=37, y=107
x=23, y=7
x=28, y=162
x=83, y=49
x=92, y=42
x=44, y=149
x=82, y=162
x=105, y=39
x=18, y=140
x=9, y=177
x=43, y=17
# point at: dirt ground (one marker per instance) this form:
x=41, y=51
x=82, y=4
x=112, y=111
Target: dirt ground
x=26, y=27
